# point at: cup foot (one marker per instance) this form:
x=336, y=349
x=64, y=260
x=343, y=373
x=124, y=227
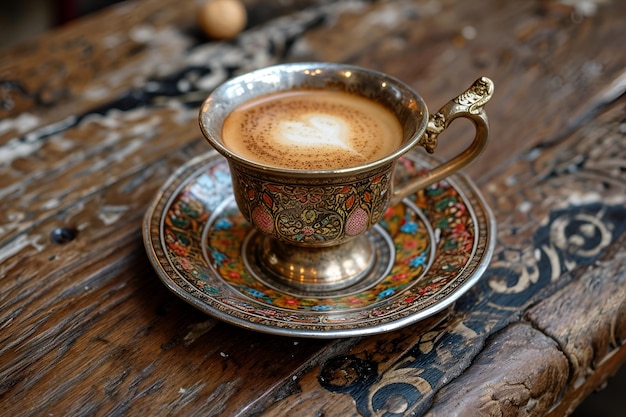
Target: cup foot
x=318, y=271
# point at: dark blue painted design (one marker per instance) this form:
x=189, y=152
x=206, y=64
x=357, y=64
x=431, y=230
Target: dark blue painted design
x=572, y=239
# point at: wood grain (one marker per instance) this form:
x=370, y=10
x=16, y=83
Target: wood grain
x=95, y=116
x=500, y=381
x=589, y=332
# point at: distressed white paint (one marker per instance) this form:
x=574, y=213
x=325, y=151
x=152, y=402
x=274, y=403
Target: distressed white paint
x=96, y=93
x=50, y=204
x=579, y=199
x=182, y=115
x=19, y=243
x=533, y=154
x=142, y=33
x=32, y=141
x=146, y=127
x=21, y=124
x=585, y=8
x=16, y=216
x=113, y=40
x=62, y=143
x=50, y=129
x=15, y=149
x=469, y=32
x=389, y=17
x=525, y=206
x=510, y=180
x=111, y=214
x=12, y=190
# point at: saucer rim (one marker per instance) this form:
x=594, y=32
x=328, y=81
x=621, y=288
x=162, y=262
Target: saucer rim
x=319, y=331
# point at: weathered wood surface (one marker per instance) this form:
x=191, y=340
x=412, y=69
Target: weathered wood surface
x=95, y=116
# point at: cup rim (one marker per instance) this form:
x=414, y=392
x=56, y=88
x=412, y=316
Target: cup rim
x=211, y=103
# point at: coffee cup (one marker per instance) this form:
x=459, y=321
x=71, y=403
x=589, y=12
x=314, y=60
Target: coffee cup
x=312, y=148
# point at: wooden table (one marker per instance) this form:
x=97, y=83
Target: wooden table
x=96, y=115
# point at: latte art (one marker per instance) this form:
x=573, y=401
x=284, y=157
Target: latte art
x=312, y=129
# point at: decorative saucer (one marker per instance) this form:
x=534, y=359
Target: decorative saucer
x=433, y=247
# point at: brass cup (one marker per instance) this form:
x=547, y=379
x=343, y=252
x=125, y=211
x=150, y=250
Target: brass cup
x=313, y=223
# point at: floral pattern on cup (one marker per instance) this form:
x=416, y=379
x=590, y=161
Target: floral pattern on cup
x=311, y=213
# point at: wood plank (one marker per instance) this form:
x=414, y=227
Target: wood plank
x=134, y=52
x=113, y=338
x=573, y=342
x=341, y=385
x=590, y=333
x=90, y=58
x=61, y=304
x=500, y=381
x=63, y=170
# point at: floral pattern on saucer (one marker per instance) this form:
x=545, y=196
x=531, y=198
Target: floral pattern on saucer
x=412, y=243
x=194, y=235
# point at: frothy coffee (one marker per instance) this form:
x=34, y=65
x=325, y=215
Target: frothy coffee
x=312, y=129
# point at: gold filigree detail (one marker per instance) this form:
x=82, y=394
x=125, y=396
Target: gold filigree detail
x=476, y=96
x=436, y=125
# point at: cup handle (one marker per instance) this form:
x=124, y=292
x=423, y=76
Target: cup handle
x=469, y=105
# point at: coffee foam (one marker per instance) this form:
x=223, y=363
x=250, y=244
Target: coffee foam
x=311, y=129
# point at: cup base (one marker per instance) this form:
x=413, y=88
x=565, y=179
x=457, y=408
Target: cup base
x=358, y=263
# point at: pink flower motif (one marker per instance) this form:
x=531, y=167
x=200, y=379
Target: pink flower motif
x=357, y=222
x=307, y=230
x=410, y=244
x=263, y=220
x=185, y=264
x=399, y=276
x=461, y=209
x=460, y=231
x=407, y=164
x=178, y=249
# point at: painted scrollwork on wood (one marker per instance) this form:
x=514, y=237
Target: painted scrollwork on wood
x=574, y=236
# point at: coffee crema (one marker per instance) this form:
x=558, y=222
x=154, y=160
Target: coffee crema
x=312, y=130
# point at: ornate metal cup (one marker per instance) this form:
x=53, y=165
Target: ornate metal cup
x=313, y=222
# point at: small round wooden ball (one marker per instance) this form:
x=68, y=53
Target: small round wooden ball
x=222, y=19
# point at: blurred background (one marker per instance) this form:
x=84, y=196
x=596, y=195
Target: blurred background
x=26, y=19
